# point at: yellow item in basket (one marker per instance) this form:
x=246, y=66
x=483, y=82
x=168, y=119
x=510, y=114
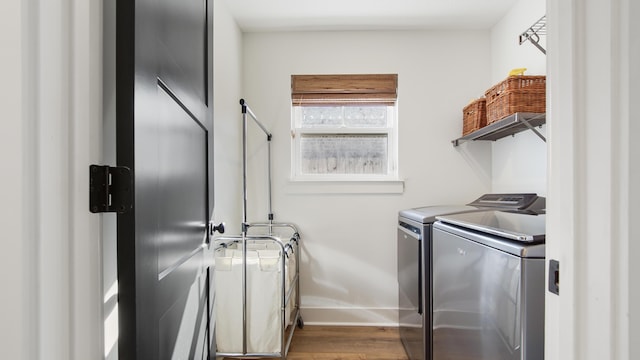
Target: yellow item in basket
x=518, y=71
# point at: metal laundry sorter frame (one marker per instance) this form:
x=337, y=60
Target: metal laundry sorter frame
x=291, y=247
x=285, y=336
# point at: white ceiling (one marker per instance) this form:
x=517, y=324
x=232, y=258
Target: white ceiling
x=289, y=15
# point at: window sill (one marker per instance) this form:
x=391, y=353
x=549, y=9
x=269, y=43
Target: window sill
x=345, y=187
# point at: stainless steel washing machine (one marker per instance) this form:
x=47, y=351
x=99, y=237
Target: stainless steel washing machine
x=488, y=286
x=415, y=259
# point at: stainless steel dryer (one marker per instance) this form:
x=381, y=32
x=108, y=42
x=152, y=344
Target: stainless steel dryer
x=488, y=286
x=414, y=263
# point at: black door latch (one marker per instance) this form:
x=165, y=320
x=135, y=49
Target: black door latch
x=554, y=277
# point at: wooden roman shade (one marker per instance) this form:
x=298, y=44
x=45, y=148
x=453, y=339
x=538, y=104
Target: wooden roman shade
x=341, y=89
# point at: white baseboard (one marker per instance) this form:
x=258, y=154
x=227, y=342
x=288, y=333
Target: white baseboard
x=350, y=316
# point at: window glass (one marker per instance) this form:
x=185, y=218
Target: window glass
x=344, y=154
x=321, y=116
x=365, y=116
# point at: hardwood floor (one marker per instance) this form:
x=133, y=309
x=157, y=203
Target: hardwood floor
x=346, y=343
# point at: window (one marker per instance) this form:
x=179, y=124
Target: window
x=344, y=127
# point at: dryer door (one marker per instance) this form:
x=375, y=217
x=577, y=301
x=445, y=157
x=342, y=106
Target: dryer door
x=410, y=294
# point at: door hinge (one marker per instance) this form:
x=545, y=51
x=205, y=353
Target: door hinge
x=110, y=189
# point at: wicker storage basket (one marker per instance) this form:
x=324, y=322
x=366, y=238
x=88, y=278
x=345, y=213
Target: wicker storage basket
x=474, y=116
x=516, y=94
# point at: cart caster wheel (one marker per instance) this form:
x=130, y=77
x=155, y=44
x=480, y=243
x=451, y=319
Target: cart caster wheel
x=300, y=323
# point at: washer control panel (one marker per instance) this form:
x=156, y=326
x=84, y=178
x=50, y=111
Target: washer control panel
x=522, y=201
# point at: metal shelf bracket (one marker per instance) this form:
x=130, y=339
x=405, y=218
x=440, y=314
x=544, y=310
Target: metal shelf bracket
x=532, y=34
x=530, y=127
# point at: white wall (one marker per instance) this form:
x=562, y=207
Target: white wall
x=227, y=81
x=349, y=240
x=519, y=162
x=506, y=52
x=52, y=299
x=17, y=326
x=633, y=44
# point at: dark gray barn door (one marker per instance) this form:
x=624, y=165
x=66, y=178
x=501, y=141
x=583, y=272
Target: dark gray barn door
x=164, y=123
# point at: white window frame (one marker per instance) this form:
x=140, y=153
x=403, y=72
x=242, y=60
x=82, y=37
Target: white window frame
x=298, y=131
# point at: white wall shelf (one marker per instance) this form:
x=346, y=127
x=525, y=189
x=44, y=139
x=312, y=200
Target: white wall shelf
x=510, y=125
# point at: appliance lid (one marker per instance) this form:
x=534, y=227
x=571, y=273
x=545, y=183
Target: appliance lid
x=521, y=202
x=518, y=226
x=427, y=214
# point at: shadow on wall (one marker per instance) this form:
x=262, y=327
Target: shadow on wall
x=478, y=156
x=331, y=302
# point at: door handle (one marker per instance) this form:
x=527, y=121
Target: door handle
x=213, y=228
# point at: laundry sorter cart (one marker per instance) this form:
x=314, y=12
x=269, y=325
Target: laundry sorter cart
x=257, y=281
x=257, y=300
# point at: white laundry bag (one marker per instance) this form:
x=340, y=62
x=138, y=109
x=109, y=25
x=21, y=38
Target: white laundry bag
x=264, y=297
